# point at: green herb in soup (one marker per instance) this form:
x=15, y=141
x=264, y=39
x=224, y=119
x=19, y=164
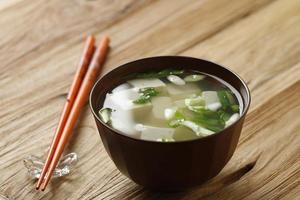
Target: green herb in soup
x=145, y=95
x=105, y=114
x=171, y=105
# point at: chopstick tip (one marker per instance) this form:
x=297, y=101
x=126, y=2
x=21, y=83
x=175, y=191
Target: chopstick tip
x=91, y=38
x=106, y=38
x=38, y=185
x=43, y=187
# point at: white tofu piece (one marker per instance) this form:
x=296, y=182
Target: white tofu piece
x=194, y=78
x=214, y=106
x=200, y=131
x=159, y=104
x=180, y=103
x=140, y=111
x=156, y=133
x=182, y=91
x=210, y=97
x=124, y=122
x=170, y=113
x=128, y=94
x=176, y=80
x=212, y=101
x=121, y=87
x=123, y=100
x=144, y=83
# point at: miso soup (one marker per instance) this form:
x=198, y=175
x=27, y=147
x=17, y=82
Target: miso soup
x=171, y=105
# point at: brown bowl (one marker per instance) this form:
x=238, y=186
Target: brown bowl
x=172, y=165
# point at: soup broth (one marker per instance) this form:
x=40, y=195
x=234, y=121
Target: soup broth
x=171, y=105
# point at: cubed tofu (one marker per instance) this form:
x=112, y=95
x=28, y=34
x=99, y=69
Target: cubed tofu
x=124, y=122
x=213, y=106
x=180, y=103
x=176, y=80
x=170, y=112
x=128, y=94
x=210, y=97
x=124, y=100
x=155, y=133
x=124, y=86
x=182, y=91
x=152, y=121
x=159, y=104
x=140, y=111
x=145, y=83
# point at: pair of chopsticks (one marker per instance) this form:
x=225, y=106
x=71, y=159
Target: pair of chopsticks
x=85, y=76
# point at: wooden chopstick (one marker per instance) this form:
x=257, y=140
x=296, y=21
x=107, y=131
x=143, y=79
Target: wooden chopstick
x=80, y=101
x=78, y=78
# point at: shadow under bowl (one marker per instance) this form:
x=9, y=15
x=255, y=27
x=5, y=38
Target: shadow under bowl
x=173, y=165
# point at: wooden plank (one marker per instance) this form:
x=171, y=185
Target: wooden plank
x=263, y=48
x=191, y=24
x=258, y=39
x=28, y=32
x=6, y=4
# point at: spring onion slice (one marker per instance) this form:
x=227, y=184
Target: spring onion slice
x=105, y=114
x=146, y=95
x=194, y=78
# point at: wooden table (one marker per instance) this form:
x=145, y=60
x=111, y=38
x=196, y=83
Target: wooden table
x=41, y=42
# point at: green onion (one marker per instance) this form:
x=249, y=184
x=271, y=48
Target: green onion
x=224, y=115
x=207, y=113
x=194, y=101
x=199, y=115
x=176, y=120
x=208, y=119
x=235, y=108
x=228, y=101
x=174, y=123
x=179, y=115
x=210, y=123
x=142, y=100
x=194, y=78
x=146, y=95
x=230, y=97
x=105, y=114
x=223, y=99
x=196, y=128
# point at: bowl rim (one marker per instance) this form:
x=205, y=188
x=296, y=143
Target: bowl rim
x=120, y=133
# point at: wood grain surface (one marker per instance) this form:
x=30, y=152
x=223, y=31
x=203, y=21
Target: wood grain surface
x=41, y=42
